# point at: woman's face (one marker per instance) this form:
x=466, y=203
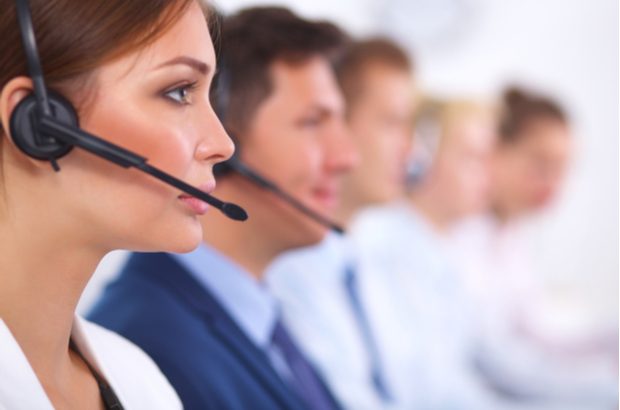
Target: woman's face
x=528, y=173
x=154, y=102
x=460, y=172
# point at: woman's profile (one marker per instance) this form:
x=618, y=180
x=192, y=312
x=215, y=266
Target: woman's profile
x=138, y=73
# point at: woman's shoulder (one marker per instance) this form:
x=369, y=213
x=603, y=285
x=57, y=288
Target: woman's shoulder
x=132, y=374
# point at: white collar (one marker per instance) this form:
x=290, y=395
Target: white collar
x=19, y=385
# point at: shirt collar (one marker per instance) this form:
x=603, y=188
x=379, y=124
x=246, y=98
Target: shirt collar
x=20, y=386
x=18, y=376
x=340, y=252
x=247, y=300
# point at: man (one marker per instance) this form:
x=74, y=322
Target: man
x=205, y=317
x=322, y=297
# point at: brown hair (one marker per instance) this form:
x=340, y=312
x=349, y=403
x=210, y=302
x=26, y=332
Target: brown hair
x=74, y=37
x=521, y=108
x=251, y=41
x=360, y=55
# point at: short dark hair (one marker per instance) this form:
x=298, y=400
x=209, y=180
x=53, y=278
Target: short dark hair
x=359, y=55
x=251, y=41
x=520, y=108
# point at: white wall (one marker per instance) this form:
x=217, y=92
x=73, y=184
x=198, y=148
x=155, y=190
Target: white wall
x=565, y=47
x=568, y=48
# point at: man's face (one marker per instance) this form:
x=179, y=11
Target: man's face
x=298, y=140
x=380, y=121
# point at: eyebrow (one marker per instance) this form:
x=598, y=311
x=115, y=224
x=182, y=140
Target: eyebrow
x=197, y=65
x=323, y=110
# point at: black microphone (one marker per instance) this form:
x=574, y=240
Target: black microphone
x=127, y=159
x=254, y=177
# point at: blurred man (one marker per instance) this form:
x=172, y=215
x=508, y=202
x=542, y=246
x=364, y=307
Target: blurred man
x=318, y=287
x=205, y=317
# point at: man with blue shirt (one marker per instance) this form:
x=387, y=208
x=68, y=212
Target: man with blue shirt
x=205, y=317
x=329, y=305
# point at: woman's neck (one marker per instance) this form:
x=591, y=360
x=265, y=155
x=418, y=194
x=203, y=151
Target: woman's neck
x=43, y=273
x=501, y=210
x=430, y=208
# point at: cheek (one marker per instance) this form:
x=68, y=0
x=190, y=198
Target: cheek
x=377, y=160
x=294, y=167
x=517, y=174
x=169, y=150
x=165, y=146
x=304, y=169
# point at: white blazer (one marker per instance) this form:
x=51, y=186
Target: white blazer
x=133, y=376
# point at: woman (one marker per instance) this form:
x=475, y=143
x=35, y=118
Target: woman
x=527, y=168
x=139, y=74
x=522, y=356
x=532, y=155
x=402, y=251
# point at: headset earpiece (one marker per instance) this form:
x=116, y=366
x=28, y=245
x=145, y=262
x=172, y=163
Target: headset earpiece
x=24, y=127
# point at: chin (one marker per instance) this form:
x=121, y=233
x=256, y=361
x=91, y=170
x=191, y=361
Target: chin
x=184, y=247
x=184, y=238
x=311, y=234
x=381, y=195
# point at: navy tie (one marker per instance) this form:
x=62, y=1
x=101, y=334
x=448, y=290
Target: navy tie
x=376, y=368
x=305, y=380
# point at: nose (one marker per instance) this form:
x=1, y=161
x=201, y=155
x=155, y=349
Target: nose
x=215, y=144
x=342, y=153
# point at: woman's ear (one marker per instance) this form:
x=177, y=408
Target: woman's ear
x=12, y=94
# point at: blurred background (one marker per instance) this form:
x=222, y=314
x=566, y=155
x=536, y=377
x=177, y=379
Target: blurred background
x=567, y=49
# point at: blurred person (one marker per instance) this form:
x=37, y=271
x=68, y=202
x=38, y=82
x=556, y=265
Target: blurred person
x=318, y=286
x=138, y=74
x=519, y=356
x=423, y=318
x=206, y=318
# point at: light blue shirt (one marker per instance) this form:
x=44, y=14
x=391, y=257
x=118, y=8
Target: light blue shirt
x=245, y=299
x=399, y=250
x=403, y=280
x=309, y=285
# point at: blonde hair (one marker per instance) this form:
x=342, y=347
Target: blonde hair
x=435, y=123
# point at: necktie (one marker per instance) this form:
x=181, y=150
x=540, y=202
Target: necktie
x=304, y=378
x=377, y=375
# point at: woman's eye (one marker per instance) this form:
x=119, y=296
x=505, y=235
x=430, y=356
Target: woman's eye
x=182, y=94
x=310, y=122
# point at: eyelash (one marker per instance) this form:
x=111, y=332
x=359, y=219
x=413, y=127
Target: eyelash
x=187, y=89
x=309, y=122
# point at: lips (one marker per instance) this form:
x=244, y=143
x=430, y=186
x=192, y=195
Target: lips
x=196, y=205
x=326, y=198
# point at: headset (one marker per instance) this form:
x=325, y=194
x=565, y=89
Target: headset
x=45, y=126
x=222, y=90
x=427, y=137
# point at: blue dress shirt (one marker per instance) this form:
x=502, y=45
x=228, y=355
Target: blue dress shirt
x=248, y=302
x=244, y=298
